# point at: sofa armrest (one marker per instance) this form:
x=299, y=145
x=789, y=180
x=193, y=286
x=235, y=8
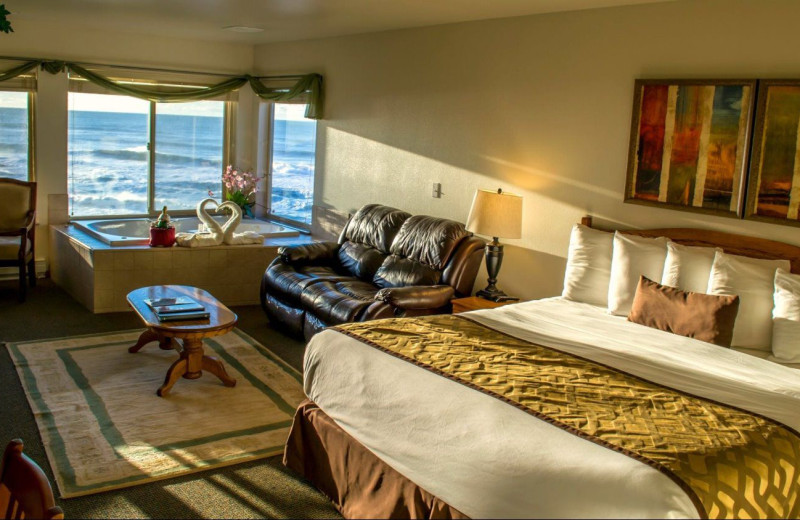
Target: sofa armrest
x=318, y=252
x=417, y=296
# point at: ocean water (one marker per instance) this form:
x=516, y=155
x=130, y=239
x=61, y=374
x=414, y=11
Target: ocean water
x=293, y=146
x=108, y=161
x=14, y=143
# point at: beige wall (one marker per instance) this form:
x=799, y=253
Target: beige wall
x=57, y=41
x=537, y=105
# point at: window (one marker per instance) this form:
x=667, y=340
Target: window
x=294, y=141
x=108, y=156
x=189, y=143
x=131, y=157
x=14, y=135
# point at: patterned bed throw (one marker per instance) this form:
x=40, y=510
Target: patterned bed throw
x=732, y=463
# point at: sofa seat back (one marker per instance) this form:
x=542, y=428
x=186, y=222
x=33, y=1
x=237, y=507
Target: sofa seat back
x=367, y=238
x=420, y=252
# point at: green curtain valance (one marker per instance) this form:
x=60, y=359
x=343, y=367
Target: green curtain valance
x=310, y=83
x=157, y=96
x=308, y=86
x=18, y=70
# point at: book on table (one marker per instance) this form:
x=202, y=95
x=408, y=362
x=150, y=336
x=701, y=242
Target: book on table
x=180, y=304
x=184, y=316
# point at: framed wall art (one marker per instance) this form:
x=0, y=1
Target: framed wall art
x=689, y=144
x=773, y=192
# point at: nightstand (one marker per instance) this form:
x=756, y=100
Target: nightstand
x=473, y=303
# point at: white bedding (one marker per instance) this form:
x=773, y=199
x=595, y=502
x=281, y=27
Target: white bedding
x=489, y=459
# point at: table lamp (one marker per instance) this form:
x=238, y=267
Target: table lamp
x=495, y=214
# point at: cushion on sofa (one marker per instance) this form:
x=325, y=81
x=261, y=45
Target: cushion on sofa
x=338, y=302
x=360, y=260
x=367, y=237
x=289, y=281
x=420, y=252
x=374, y=225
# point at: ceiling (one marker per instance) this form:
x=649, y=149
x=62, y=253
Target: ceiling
x=281, y=20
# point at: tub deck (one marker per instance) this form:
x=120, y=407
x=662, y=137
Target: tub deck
x=99, y=276
x=136, y=231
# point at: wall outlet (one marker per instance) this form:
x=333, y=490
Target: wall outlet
x=437, y=190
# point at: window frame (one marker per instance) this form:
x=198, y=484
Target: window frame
x=31, y=136
x=151, y=210
x=269, y=176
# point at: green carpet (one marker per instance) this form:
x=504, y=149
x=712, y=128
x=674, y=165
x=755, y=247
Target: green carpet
x=257, y=489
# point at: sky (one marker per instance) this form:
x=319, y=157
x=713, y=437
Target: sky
x=131, y=105
x=111, y=103
x=13, y=99
x=290, y=112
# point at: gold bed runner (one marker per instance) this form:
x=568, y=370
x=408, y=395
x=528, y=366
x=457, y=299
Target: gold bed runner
x=732, y=463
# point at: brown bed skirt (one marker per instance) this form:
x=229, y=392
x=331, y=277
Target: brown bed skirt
x=358, y=483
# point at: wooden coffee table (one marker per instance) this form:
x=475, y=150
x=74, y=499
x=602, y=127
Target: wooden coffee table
x=192, y=361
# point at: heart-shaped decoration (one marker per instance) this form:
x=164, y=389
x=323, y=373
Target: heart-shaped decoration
x=230, y=225
x=212, y=225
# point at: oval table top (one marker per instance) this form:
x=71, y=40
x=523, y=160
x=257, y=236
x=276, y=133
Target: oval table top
x=221, y=319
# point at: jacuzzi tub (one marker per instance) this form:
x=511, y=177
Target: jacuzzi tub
x=136, y=232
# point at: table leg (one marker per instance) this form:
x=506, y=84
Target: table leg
x=191, y=365
x=149, y=336
x=215, y=366
x=193, y=352
x=174, y=373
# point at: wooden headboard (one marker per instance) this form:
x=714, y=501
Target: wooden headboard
x=728, y=242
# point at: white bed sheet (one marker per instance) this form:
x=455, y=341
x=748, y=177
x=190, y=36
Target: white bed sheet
x=489, y=459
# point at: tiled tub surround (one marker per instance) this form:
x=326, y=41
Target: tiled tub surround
x=100, y=276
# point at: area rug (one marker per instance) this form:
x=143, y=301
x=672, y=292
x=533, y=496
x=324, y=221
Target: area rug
x=104, y=427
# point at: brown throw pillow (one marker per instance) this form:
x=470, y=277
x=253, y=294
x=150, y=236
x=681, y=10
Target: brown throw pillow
x=707, y=317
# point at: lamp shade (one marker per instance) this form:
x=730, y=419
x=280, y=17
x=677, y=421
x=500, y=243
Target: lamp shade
x=496, y=214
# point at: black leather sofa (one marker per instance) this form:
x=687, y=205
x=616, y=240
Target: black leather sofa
x=385, y=264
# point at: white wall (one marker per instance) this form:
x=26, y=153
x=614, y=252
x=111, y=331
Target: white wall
x=57, y=41
x=537, y=105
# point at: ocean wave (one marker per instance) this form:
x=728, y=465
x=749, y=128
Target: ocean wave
x=128, y=155
x=119, y=204
x=139, y=155
x=13, y=147
x=288, y=193
x=117, y=197
x=299, y=210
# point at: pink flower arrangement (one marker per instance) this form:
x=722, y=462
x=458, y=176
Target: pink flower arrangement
x=240, y=186
x=245, y=182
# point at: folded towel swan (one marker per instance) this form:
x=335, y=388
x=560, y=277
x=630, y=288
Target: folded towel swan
x=229, y=236
x=218, y=234
x=212, y=238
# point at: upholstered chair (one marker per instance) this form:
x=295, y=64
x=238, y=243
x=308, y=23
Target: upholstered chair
x=18, y=229
x=25, y=491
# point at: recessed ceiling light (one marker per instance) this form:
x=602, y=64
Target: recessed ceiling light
x=242, y=29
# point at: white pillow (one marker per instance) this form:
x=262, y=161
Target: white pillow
x=633, y=256
x=753, y=280
x=786, y=318
x=588, y=266
x=687, y=267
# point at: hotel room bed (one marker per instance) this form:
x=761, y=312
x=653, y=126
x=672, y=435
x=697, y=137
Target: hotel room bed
x=482, y=458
